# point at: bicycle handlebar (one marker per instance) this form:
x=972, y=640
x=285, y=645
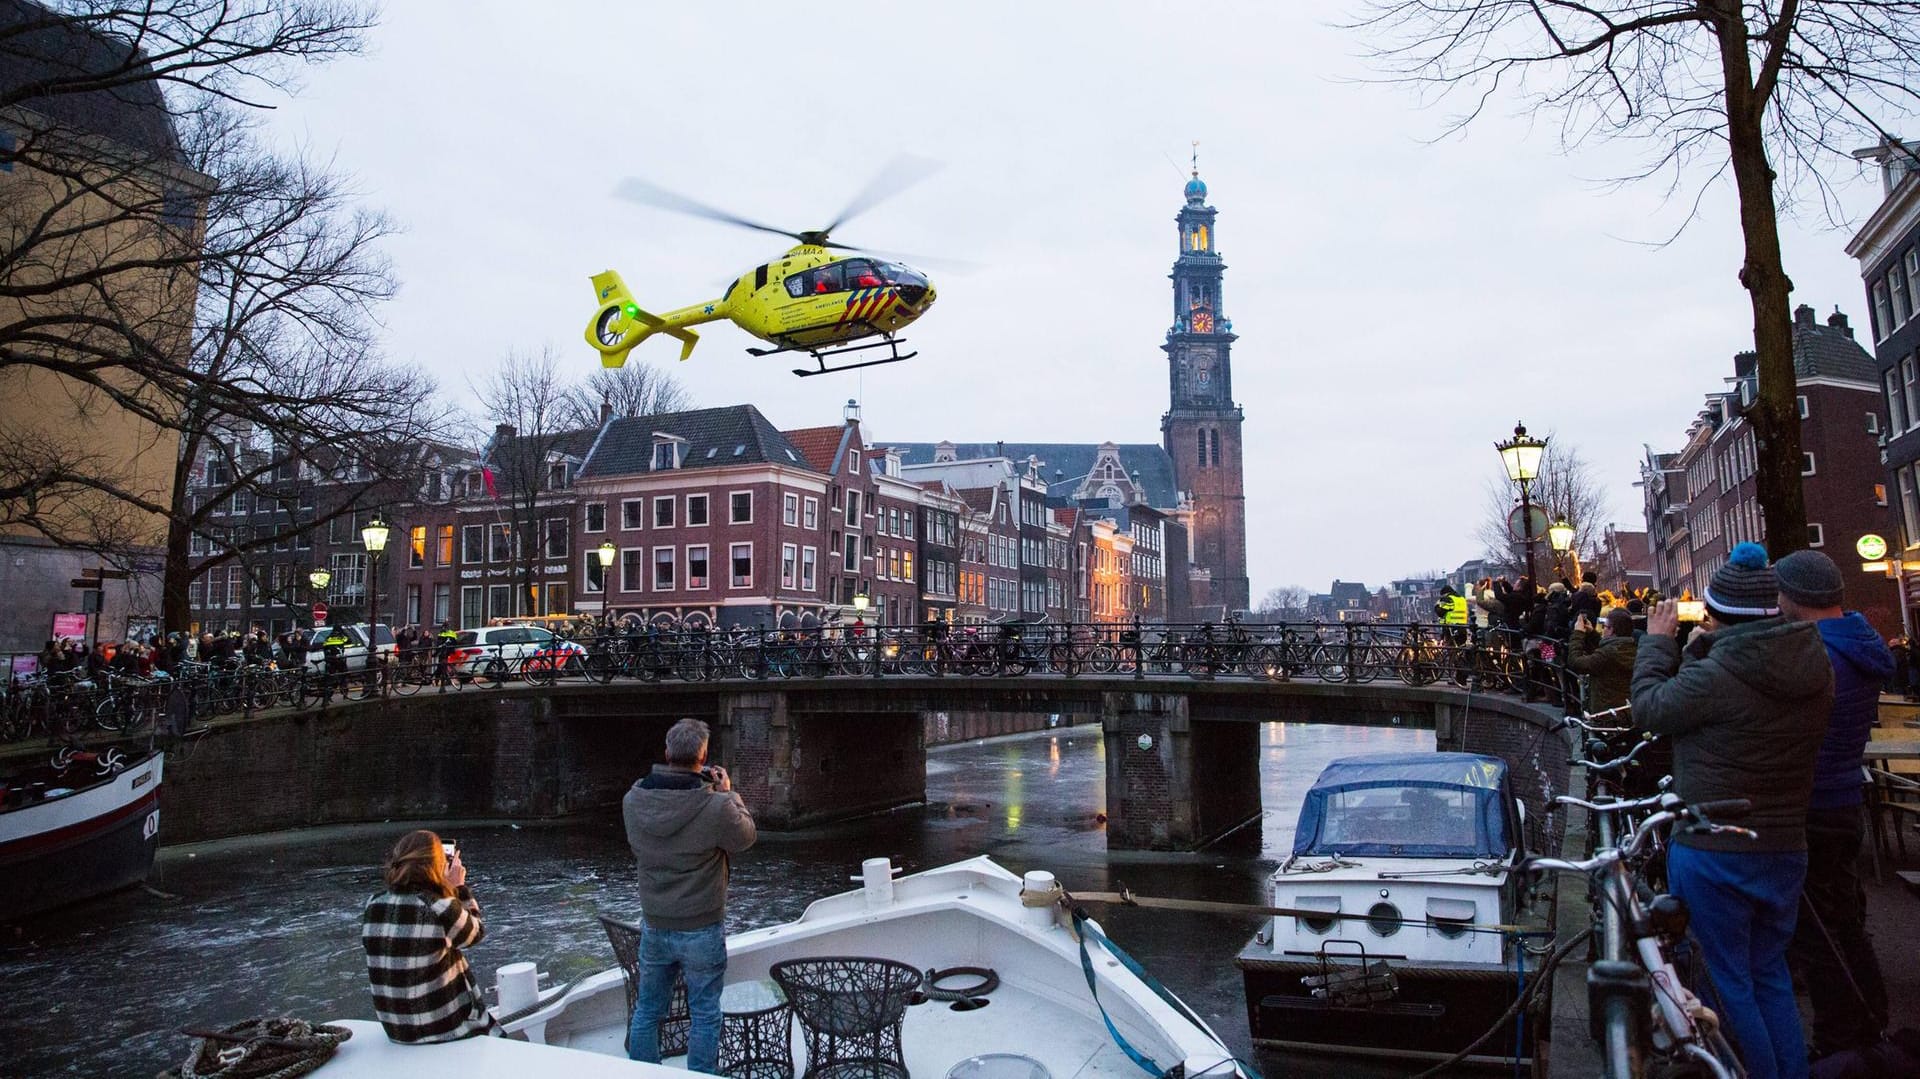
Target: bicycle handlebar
x=1672, y=810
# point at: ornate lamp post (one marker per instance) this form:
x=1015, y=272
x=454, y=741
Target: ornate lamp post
x=1521, y=456
x=606, y=553
x=1561, y=536
x=860, y=603
x=374, y=538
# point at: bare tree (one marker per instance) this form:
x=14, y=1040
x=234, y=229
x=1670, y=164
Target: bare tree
x=636, y=389
x=1288, y=603
x=531, y=453
x=1755, y=88
x=1567, y=488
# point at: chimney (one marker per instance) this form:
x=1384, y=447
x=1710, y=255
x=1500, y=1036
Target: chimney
x=503, y=431
x=1803, y=315
x=1000, y=449
x=1839, y=321
x=606, y=410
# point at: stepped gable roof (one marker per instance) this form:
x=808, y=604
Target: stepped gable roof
x=819, y=445
x=729, y=435
x=1073, y=460
x=41, y=48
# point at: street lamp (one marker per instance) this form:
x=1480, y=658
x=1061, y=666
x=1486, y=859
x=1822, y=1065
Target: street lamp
x=605, y=553
x=319, y=579
x=1561, y=536
x=374, y=538
x=1521, y=454
x=860, y=602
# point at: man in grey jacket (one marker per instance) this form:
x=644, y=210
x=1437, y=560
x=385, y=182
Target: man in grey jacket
x=1746, y=708
x=683, y=823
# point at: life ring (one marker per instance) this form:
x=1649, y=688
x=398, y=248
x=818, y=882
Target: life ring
x=989, y=981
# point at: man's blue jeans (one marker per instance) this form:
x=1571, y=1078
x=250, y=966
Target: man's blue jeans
x=1743, y=907
x=701, y=956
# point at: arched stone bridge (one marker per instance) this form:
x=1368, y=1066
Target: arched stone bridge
x=1182, y=753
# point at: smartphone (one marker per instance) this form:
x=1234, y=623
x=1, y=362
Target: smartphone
x=452, y=848
x=1692, y=610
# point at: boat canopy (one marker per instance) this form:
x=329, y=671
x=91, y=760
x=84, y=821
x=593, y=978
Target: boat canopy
x=1410, y=805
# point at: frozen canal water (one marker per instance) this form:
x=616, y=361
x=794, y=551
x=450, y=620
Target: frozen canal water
x=270, y=925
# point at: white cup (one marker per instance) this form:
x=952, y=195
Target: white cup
x=519, y=986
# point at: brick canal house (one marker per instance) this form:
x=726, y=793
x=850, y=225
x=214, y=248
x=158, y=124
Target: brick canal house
x=1701, y=500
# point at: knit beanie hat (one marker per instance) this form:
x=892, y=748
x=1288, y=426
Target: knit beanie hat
x=1811, y=579
x=1744, y=589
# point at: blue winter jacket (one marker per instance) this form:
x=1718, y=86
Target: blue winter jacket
x=1861, y=664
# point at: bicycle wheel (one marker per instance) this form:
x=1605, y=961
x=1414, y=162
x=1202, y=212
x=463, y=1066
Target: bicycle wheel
x=538, y=670
x=493, y=672
x=697, y=665
x=1063, y=659
x=1369, y=662
x=407, y=680
x=601, y=667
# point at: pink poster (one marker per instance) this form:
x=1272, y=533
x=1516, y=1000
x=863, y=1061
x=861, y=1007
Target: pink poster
x=68, y=624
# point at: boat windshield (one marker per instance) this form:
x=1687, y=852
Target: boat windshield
x=1407, y=817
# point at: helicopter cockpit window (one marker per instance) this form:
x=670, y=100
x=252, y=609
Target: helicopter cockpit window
x=797, y=284
x=861, y=274
x=897, y=274
x=825, y=279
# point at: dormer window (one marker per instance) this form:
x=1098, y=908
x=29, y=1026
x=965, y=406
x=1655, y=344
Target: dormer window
x=557, y=475
x=668, y=452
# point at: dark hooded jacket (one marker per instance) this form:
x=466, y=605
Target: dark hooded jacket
x=1745, y=711
x=682, y=832
x=1861, y=662
x=1608, y=664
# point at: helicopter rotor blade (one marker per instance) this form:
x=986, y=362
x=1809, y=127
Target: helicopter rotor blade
x=894, y=177
x=634, y=189
x=928, y=262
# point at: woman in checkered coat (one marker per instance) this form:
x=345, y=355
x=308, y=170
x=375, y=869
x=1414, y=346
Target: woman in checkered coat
x=413, y=933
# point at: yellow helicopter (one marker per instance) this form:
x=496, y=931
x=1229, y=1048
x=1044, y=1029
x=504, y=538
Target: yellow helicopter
x=811, y=299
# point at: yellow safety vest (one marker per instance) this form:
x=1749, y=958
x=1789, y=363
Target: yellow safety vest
x=1456, y=610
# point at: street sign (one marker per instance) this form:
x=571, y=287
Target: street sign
x=319, y=613
x=1871, y=547
x=1516, y=527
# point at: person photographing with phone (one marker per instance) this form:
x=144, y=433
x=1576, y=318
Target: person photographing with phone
x=684, y=823
x=1746, y=707
x=413, y=934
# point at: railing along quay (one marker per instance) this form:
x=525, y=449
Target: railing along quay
x=61, y=707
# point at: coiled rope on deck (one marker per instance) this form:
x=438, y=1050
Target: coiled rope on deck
x=270, y=1048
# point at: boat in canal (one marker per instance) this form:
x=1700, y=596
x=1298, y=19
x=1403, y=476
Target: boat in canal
x=84, y=824
x=1404, y=897
x=1021, y=988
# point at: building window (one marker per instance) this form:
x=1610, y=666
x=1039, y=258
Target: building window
x=596, y=578
x=442, y=604
x=1909, y=508
x=500, y=543
x=809, y=557
x=850, y=562
x=557, y=599
x=473, y=539
x=1896, y=403
x=1907, y=375
x=633, y=514
x=1882, y=311
x=906, y=523
x=500, y=601
x=443, y=556
x=1873, y=423
x=663, y=569
x=1897, y=291
x=696, y=511
x=1816, y=536
x=596, y=516
x=697, y=566
x=1879, y=494
x=853, y=509
x=740, y=507
x=413, y=605
x=1800, y=402
x=789, y=565
x=663, y=512
x=790, y=509
x=853, y=462
x=416, y=549
x=1806, y=464
x=557, y=475
x=741, y=555
x=666, y=455
x=906, y=566
x=810, y=520
x=471, y=614
x=1203, y=449
x=632, y=569
x=556, y=545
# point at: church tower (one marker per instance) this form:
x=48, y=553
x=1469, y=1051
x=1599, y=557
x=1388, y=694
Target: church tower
x=1201, y=429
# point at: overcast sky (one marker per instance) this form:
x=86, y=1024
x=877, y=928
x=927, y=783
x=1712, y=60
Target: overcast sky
x=1399, y=302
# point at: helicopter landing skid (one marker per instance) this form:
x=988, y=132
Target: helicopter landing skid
x=820, y=358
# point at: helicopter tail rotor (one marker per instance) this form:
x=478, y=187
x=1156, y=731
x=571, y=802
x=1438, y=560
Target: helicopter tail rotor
x=619, y=324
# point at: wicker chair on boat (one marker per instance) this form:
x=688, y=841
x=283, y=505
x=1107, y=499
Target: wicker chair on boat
x=850, y=1011
x=674, y=1027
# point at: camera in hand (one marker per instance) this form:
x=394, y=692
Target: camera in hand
x=710, y=774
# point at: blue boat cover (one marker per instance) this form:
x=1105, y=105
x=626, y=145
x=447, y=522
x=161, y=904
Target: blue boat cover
x=1411, y=805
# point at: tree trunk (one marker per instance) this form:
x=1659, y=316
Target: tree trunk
x=1775, y=415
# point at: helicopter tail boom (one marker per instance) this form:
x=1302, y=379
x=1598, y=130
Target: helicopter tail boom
x=619, y=324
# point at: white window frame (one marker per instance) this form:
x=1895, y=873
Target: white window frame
x=673, y=568
x=591, y=565
x=1800, y=402
x=478, y=593
x=1910, y=387
x=1808, y=466
x=810, y=514
x=706, y=511
x=706, y=556
x=466, y=530
x=669, y=502
x=850, y=555
x=1896, y=401
x=809, y=569
x=1817, y=536
x=639, y=516
x=1909, y=508
x=1882, y=311
x=587, y=516
x=789, y=566
x=732, y=584
x=1873, y=423
x=732, y=520
x=1912, y=259
x=790, y=509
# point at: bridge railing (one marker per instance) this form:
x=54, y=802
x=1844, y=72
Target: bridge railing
x=61, y=707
